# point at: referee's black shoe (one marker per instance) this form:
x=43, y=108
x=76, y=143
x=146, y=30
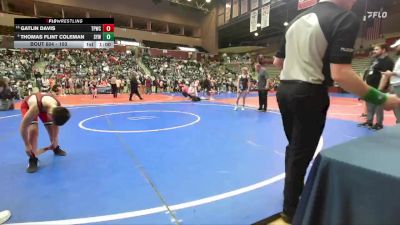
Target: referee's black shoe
x=376, y=127
x=365, y=124
x=286, y=217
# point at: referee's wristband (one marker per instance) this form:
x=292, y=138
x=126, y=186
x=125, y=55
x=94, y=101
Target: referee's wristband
x=375, y=97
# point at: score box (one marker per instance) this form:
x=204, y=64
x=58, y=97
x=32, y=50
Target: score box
x=108, y=27
x=108, y=36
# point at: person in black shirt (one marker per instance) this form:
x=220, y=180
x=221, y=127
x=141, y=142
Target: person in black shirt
x=207, y=86
x=317, y=49
x=381, y=63
x=134, y=88
x=3, y=85
x=262, y=86
x=6, y=95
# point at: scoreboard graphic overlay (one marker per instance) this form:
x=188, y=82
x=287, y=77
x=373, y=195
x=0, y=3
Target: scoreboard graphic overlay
x=64, y=33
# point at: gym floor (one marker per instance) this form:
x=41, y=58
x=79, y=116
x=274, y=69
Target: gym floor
x=163, y=160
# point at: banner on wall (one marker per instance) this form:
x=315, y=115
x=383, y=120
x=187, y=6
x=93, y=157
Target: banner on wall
x=265, y=16
x=253, y=20
x=254, y=4
x=244, y=4
x=228, y=10
x=265, y=2
x=304, y=4
x=235, y=9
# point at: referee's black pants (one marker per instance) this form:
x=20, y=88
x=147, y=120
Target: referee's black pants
x=114, y=90
x=303, y=107
x=136, y=92
x=262, y=99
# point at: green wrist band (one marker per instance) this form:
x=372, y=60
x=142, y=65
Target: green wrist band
x=375, y=97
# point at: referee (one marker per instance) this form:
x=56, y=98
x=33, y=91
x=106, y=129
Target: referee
x=134, y=87
x=317, y=49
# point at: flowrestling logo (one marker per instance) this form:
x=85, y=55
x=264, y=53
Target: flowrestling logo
x=377, y=14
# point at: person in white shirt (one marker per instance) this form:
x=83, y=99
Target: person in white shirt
x=45, y=84
x=118, y=83
x=193, y=88
x=394, y=77
x=30, y=88
x=113, y=82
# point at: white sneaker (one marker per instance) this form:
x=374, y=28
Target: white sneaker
x=4, y=216
x=242, y=108
x=235, y=108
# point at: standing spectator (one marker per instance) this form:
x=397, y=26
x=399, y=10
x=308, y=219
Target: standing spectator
x=262, y=88
x=86, y=86
x=64, y=85
x=394, y=77
x=382, y=62
x=113, y=82
x=93, y=85
x=156, y=85
x=71, y=85
x=46, y=84
x=208, y=86
x=118, y=84
x=161, y=85
x=78, y=85
x=52, y=82
x=30, y=87
x=142, y=84
x=123, y=84
x=243, y=84
x=6, y=95
x=148, y=85
x=20, y=89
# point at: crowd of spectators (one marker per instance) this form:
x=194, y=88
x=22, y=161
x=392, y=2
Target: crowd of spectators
x=76, y=71
x=172, y=72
